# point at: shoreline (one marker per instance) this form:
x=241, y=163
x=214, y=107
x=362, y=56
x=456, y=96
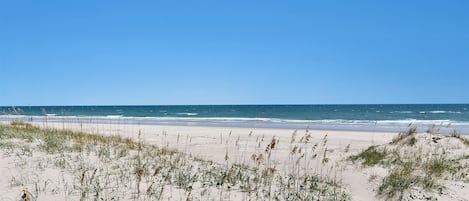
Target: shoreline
x=232, y=146
x=215, y=127
x=437, y=126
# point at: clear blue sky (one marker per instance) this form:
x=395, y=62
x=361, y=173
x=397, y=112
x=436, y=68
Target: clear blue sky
x=233, y=52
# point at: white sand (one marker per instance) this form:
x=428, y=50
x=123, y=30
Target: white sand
x=213, y=143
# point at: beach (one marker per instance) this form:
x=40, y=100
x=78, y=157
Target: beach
x=237, y=145
x=211, y=142
x=234, y=101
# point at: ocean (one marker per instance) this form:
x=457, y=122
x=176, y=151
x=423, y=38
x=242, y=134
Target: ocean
x=444, y=118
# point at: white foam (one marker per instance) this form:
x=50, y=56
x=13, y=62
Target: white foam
x=402, y=112
x=113, y=116
x=188, y=113
x=249, y=122
x=440, y=112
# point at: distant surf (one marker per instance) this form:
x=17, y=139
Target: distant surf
x=443, y=117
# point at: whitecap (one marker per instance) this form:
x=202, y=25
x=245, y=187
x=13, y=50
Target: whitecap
x=402, y=112
x=188, y=113
x=438, y=112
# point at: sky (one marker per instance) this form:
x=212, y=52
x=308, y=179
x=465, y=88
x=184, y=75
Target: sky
x=233, y=52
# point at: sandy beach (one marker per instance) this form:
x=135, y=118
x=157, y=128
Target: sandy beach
x=234, y=101
x=234, y=145
x=212, y=142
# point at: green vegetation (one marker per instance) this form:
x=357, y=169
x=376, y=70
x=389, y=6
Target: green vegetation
x=413, y=167
x=412, y=141
x=401, y=179
x=371, y=156
x=98, y=167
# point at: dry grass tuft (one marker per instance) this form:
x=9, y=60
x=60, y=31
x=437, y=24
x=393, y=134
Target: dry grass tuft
x=403, y=135
x=98, y=167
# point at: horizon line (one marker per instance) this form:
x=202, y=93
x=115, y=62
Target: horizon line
x=274, y=104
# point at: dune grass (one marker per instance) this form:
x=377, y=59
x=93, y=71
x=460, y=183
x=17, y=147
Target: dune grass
x=414, y=167
x=371, y=156
x=98, y=167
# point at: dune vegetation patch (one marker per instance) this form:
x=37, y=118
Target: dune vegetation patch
x=418, y=164
x=81, y=166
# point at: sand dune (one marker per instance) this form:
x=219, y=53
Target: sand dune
x=230, y=146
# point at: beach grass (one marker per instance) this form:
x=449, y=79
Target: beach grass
x=416, y=163
x=50, y=163
x=83, y=166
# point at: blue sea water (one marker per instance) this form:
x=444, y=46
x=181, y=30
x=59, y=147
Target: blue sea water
x=444, y=117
